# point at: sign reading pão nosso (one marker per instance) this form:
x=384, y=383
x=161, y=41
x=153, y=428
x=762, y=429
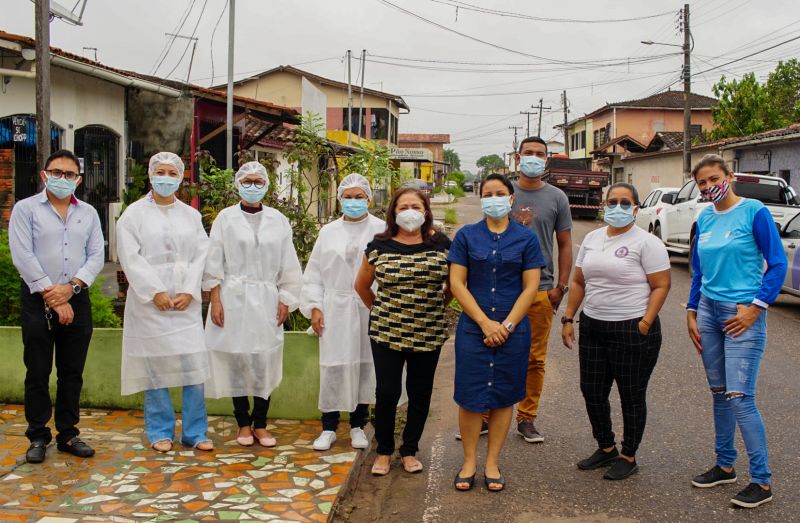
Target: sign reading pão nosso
x=419, y=154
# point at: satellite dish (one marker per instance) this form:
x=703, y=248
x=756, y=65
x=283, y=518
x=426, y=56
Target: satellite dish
x=64, y=14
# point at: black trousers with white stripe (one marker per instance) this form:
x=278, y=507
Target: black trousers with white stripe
x=616, y=351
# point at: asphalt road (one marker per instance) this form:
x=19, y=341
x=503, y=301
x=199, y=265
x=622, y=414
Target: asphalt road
x=543, y=483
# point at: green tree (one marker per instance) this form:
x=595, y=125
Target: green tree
x=456, y=176
x=783, y=91
x=374, y=163
x=489, y=163
x=742, y=108
x=451, y=157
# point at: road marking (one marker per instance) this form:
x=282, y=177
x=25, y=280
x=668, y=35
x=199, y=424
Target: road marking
x=435, y=474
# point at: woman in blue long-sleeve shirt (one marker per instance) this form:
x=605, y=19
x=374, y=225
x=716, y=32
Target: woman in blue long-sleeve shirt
x=727, y=319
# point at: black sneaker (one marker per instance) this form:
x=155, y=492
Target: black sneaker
x=600, y=458
x=484, y=431
x=621, y=469
x=528, y=432
x=752, y=496
x=715, y=476
x=76, y=447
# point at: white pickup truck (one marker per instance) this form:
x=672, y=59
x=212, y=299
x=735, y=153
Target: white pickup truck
x=676, y=224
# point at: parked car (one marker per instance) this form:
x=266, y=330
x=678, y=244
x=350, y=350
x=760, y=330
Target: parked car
x=420, y=185
x=653, y=206
x=676, y=224
x=468, y=186
x=450, y=183
x=790, y=237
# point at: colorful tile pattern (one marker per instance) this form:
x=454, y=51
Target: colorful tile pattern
x=127, y=481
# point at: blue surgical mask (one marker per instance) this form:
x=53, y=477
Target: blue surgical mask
x=354, y=207
x=60, y=187
x=617, y=216
x=252, y=194
x=165, y=186
x=531, y=166
x=496, y=206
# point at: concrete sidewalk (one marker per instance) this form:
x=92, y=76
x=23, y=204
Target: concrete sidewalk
x=127, y=481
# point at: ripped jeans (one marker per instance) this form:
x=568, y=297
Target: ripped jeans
x=732, y=370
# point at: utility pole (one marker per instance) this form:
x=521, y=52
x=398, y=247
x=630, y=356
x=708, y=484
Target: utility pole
x=349, y=100
x=229, y=108
x=566, y=132
x=687, y=88
x=361, y=110
x=42, y=82
x=539, y=132
x=194, y=47
x=515, y=127
x=529, y=113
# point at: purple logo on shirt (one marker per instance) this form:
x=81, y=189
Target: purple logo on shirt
x=621, y=252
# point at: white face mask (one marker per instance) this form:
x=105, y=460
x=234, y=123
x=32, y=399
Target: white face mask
x=410, y=220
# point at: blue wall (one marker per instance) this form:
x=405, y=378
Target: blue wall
x=785, y=156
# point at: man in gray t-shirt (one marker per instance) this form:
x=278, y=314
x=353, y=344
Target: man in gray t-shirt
x=545, y=209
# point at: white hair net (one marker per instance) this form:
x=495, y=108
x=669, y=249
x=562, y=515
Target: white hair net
x=251, y=168
x=354, y=180
x=165, y=158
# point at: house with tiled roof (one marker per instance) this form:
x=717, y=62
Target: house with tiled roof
x=434, y=169
x=597, y=134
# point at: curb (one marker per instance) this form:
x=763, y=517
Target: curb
x=351, y=481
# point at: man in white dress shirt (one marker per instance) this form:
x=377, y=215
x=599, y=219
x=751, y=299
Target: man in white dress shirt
x=57, y=246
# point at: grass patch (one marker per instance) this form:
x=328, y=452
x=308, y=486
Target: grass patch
x=450, y=216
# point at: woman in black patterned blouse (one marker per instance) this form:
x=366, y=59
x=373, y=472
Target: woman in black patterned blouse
x=407, y=324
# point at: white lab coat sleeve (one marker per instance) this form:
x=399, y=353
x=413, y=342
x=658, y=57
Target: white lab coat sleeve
x=193, y=280
x=313, y=288
x=215, y=262
x=142, y=278
x=290, y=277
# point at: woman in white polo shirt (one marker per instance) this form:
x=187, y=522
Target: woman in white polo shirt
x=622, y=277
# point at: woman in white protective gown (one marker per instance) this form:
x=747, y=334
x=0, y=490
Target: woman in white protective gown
x=255, y=278
x=162, y=248
x=339, y=317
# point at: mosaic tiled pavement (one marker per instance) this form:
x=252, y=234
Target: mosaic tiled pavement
x=127, y=481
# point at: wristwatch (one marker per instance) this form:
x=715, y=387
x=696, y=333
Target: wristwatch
x=565, y=320
x=76, y=289
x=563, y=288
x=509, y=326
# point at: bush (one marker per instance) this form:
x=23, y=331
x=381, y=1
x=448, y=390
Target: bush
x=9, y=284
x=103, y=314
x=456, y=191
x=450, y=216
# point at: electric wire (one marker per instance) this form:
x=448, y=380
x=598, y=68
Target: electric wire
x=211, y=49
x=471, y=7
x=171, y=41
x=189, y=40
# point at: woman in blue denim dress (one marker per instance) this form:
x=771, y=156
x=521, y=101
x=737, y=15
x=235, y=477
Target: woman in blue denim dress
x=727, y=319
x=495, y=266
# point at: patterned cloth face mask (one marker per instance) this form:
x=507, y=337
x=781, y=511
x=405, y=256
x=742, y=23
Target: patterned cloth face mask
x=716, y=193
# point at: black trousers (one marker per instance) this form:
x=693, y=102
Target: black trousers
x=616, y=351
x=420, y=370
x=358, y=418
x=70, y=344
x=244, y=418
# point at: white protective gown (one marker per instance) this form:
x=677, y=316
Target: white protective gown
x=253, y=258
x=347, y=373
x=162, y=249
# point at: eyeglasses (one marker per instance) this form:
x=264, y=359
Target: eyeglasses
x=625, y=204
x=258, y=184
x=58, y=174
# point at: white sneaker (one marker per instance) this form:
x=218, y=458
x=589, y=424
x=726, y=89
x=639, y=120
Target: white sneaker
x=325, y=440
x=358, y=440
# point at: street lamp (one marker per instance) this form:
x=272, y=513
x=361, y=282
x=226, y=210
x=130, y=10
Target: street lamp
x=687, y=85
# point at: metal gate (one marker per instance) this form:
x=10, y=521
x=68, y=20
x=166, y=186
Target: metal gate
x=18, y=132
x=98, y=148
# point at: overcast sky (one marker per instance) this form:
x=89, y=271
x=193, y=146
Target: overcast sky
x=434, y=68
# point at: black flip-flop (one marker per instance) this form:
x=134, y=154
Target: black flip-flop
x=469, y=481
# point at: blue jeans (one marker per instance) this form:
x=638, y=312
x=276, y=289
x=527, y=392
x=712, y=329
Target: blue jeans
x=732, y=370
x=159, y=416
